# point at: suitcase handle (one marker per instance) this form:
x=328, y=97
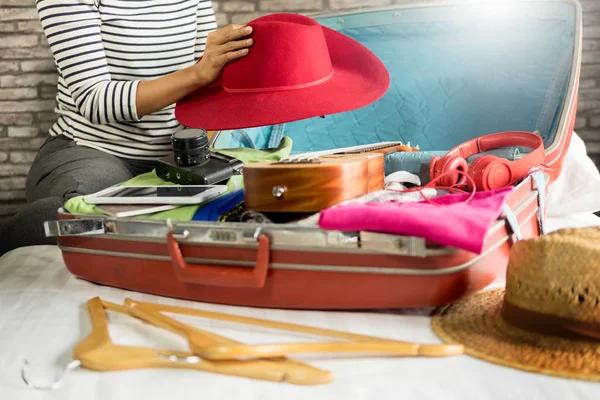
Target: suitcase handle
x=221, y=276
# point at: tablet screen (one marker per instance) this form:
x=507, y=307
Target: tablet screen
x=158, y=191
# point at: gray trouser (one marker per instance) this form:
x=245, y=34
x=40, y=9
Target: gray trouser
x=60, y=171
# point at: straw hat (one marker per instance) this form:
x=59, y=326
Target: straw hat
x=547, y=320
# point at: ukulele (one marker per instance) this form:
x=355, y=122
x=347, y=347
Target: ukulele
x=311, y=182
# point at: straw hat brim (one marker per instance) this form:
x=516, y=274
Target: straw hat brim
x=475, y=322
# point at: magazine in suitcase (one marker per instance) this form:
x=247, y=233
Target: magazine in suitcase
x=458, y=71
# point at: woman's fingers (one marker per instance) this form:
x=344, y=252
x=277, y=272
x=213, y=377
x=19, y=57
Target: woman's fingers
x=234, y=45
x=232, y=55
x=229, y=33
x=222, y=46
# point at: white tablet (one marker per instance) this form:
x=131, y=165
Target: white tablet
x=171, y=194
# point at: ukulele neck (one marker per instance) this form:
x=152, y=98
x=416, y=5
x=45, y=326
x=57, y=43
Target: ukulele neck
x=383, y=147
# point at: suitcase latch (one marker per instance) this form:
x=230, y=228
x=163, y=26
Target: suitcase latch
x=393, y=244
x=74, y=227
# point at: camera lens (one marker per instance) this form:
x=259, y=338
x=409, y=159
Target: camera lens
x=190, y=147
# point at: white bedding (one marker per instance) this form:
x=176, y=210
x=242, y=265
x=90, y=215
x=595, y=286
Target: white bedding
x=43, y=317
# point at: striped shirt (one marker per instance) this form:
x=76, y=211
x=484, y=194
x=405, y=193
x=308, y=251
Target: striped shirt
x=103, y=49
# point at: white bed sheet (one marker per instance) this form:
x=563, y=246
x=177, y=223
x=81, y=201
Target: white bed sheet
x=43, y=317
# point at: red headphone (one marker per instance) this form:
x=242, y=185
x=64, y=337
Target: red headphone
x=488, y=172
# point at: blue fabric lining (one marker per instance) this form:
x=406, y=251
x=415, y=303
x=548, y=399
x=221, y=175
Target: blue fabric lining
x=549, y=115
x=453, y=79
x=277, y=133
x=255, y=138
x=243, y=138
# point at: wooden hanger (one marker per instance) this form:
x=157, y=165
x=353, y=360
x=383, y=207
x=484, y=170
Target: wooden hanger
x=234, y=352
x=98, y=352
x=356, y=343
x=295, y=372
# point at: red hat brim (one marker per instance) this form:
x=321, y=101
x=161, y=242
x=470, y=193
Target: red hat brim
x=359, y=79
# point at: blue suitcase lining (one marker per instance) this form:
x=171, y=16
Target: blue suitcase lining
x=453, y=78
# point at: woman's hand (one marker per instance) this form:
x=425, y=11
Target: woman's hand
x=222, y=46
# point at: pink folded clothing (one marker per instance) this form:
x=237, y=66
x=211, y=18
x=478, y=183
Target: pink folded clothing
x=455, y=222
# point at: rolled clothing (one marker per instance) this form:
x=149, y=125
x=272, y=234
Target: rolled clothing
x=412, y=161
x=395, y=192
x=453, y=221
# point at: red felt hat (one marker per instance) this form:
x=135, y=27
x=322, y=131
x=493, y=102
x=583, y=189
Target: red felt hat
x=296, y=69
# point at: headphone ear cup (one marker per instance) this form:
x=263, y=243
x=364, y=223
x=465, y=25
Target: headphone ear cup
x=489, y=173
x=434, y=167
x=449, y=165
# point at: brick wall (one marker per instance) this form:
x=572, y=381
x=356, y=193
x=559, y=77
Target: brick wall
x=588, y=118
x=28, y=79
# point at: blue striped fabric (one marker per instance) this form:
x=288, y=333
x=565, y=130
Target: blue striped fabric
x=103, y=49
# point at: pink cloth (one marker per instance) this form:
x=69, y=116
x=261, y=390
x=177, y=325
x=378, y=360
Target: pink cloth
x=455, y=223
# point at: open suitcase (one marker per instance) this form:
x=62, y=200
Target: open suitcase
x=458, y=71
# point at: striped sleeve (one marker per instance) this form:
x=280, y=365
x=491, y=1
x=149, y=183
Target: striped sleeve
x=206, y=22
x=72, y=28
